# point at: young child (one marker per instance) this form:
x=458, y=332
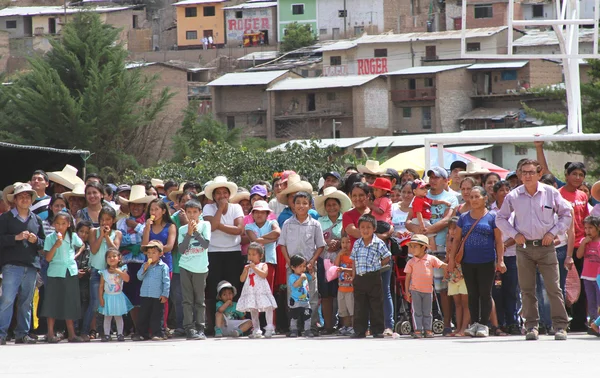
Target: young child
x=154, y=292
x=457, y=289
x=265, y=232
x=229, y=321
x=113, y=303
x=345, y=295
x=421, y=206
x=419, y=280
x=300, y=311
x=193, y=241
x=589, y=250
x=381, y=206
x=256, y=294
x=62, y=288
x=369, y=254
x=82, y=258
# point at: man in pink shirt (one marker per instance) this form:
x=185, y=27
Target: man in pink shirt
x=534, y=206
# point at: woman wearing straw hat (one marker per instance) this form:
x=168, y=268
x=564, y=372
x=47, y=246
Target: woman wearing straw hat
x=224, y=250
x=330, y=206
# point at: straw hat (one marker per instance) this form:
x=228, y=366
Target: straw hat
x=261, y=206
x=157, y=183
x=67, y=177
x=295, y=184
x=138, y=195
x=9, y=190
x=19, y=188
x=173, y=195
x=595, y=192
x=473, y=169
x=242, y=194
x=153, y=244
x=78, y=191
x=371, y=167
x=220, y=182
x=332, y=192
x=419, y=239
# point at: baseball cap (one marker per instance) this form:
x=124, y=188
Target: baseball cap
x=458, y=164
x=123, y=188
x=511, y=174
x=334, y=174
x=437, y=171
x=419, y=184
x=258, y=189
x=286, y=174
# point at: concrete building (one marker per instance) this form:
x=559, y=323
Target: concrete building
x=197, y=19
x=538, y=10
x=302, y=12
x=480, y=13
x=251, y=24
x=428, y=99
x=545, y=42
x=323, y=107
x=241, y=101
x=378, y=54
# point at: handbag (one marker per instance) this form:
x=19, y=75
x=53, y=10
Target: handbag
x=572, y=286
x=461, y=250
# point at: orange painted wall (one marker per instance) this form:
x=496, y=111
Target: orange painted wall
x=200, y=23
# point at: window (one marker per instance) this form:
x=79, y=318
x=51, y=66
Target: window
x=426, y=111
x=239, y=14
x=11, y=24
x=209, y=11
x=297, y=8
x=406, y=112
x=322, y=31
x=191, y=12
x=538, y=10
x=134, y=21
x=230, y=122
x=330, y=96
x=474, y=46
x=380, y=53
x=335, y=60
x=310, y=102
x=428, y=82
x=359, y=30
x=430, y=53
x=508, y=75
x=191, y=34
x=484, y=11
x=519, y=150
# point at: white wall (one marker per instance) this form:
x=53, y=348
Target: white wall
x=252, y=21
x=549, y=11
x=360, y=13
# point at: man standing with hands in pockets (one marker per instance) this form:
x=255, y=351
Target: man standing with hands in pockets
x=534, y=205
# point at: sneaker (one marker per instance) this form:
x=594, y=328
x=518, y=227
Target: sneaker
x=137, y=338
x=388, y=332
x=560, y=334
x=218, y=333
x=447, y=331
x=269, y=332
x=340, y=331
x=472, y=330
x=26, y=340
x=105, y=339
x=192, y=334
x=309, y=334
x=292, y=334
x=532, y=334
x=201, y=335
x=416, y=335
x=179, y=332
x=120, y=338
x=256, y=334
x=158, y=338
x=349, y=331
x=482, y=331
x=551, y=331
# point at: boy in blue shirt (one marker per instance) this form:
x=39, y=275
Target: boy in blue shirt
x=300, y=311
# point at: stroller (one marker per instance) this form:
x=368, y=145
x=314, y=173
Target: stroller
x=402, y=311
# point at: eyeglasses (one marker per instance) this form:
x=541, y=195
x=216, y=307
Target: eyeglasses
x=529, y=173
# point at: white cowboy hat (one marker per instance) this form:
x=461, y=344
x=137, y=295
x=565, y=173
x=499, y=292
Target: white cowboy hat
x=473, y=169
x=20, y=187
x=138, y=195
x=173, y=195
x=220, y=182
x=261, y=206
x=78, y=191
x=371, y=167
x=332, y=192
x=67, y=177
x=242, y=194
x=157, y=183
x=295, y=184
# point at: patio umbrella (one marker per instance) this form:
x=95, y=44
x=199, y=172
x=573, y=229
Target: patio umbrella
x=415, y=159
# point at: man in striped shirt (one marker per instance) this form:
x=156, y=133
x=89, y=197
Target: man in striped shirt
x=39, y=183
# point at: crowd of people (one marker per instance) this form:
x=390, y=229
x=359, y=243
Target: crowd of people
x=160, y=259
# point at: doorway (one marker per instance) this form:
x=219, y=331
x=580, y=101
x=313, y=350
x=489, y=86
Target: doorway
x=311, y=102
x=52, y=25
x=265, y=36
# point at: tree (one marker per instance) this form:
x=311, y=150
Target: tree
x=80, y=95
x=297, y=36
x=194, y=130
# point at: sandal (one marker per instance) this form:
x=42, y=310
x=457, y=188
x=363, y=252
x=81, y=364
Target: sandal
x=497, y=331
x=85, y=338
x=76, y=339
x=417, y=335
x=92, y=334
x=53, y=340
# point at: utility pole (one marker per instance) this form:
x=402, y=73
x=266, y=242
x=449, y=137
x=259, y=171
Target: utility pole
x=333, y=125
x=345, y=24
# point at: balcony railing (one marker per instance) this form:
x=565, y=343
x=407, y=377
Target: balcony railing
x=422, y=94
x=428, y=58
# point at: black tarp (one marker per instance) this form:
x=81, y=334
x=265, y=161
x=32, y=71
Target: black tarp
x=19, y=162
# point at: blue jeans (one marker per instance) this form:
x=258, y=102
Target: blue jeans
x=561, y=255
x=507, y=296
x=177, y=297
x=17, y=281
x=543, y=301
x=388, y=304
x=94, y=302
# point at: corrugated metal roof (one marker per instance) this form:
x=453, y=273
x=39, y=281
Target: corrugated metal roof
x=491, y=113
x=423, y=70
x=247, y=78
x=498, y=65
x=260, y=55
x=322, y=82
x=341, y=45
x=44, y=10
x=131, y=65
x=192, y=2
x=419, y=139
x=548, y=38
x=82, y=153
x=450, y=34
x=323, y=143
x=254, y=5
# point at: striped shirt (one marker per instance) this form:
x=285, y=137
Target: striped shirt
x=367, y=258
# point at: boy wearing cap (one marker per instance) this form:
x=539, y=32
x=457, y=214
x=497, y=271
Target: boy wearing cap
x=154, y=292
x=419, y=281
x=228, y=320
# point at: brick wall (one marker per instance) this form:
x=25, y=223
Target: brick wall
x=370, y=104
x=499, y=14
x=544, y=72
x=453, y=99
x=412, y=16
x=248, y=109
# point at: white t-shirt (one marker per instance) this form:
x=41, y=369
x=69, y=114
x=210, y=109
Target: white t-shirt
x=276, y=207
x=219, y=240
